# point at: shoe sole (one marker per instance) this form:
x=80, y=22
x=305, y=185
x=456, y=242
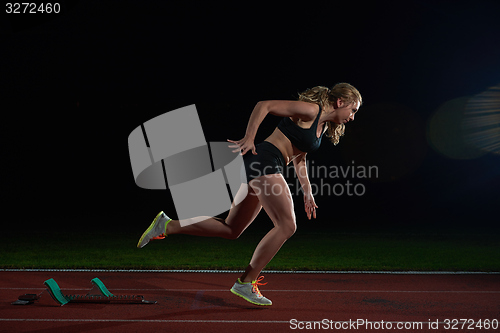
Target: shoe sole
x=247, y=299
x=151, y=226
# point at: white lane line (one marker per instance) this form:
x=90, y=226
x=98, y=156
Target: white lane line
x=289, y=291
x=239, y=271
x=148, y=321
x=185, y=321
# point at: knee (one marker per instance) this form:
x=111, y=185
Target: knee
x=234, y=234
x=292, y=230
x=288, y=229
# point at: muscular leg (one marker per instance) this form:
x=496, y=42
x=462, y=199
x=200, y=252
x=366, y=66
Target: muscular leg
x=275, y=197
x=239, y=218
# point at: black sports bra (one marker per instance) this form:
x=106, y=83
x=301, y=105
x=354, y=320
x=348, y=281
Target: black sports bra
x=304, y=139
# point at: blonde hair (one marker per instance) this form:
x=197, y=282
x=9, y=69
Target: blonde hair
x=323, y=96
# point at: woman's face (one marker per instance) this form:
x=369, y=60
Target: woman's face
x=345, y=112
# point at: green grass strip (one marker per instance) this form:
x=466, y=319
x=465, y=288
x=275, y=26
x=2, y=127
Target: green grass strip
x=304, y=251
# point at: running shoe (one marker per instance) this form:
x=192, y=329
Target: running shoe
x=250, y=292
x=157, y=230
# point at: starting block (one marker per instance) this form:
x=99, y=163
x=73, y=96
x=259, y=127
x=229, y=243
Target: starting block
x=104, y=296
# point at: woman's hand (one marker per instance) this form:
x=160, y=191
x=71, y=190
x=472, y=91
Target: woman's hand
x=310, y=205
x=243, y=146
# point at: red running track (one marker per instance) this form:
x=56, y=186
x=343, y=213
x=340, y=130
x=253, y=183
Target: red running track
x=201, y=302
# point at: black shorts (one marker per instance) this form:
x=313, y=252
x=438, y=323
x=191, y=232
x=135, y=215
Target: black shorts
x=268, y=160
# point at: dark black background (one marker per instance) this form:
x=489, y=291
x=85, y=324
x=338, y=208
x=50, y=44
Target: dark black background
x=75, y=84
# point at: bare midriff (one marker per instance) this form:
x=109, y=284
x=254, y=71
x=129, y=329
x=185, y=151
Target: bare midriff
x=278, y=139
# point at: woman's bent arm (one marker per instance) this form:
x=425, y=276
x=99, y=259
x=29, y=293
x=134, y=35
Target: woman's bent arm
x=303, y=110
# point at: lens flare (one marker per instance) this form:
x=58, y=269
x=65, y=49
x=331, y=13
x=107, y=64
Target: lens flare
x=447, y=134
x=482, y=120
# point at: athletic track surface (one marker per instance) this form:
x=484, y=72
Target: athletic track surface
x=202, y=302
